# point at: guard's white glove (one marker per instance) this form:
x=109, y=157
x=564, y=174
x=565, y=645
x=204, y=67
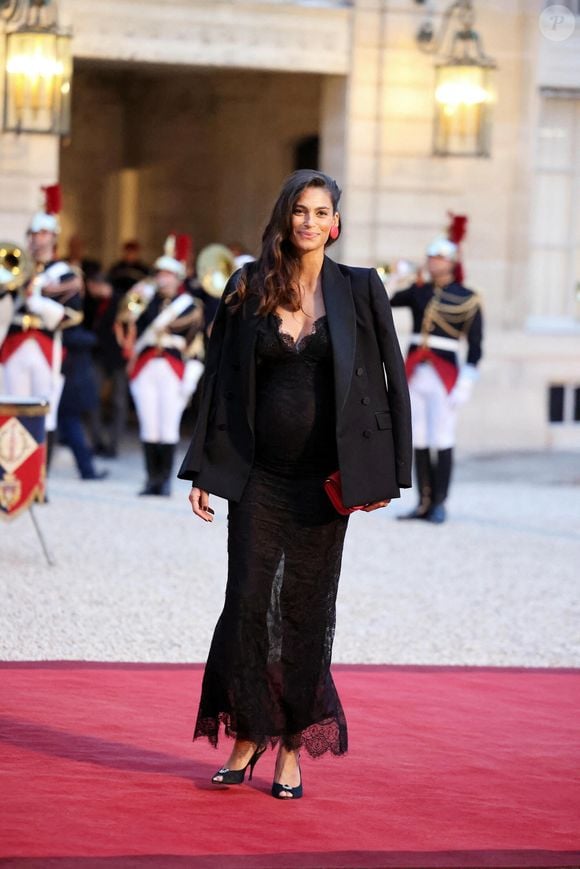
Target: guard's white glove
x=50, y=311
x=461, y=392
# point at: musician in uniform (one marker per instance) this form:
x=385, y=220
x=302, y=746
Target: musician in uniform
x=31, y=352
x=445, y=313
x=162, y=376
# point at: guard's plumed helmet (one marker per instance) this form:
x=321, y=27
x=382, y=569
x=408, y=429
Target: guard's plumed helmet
x=175, y=254
x=443, y=247
x=47, y=218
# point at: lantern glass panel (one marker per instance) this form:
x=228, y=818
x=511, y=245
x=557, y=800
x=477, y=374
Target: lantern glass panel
x=463, y=102
x=37, y=82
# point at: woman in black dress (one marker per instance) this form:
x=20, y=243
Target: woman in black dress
x=297, y=344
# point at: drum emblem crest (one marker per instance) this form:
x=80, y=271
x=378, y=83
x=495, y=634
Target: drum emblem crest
x=16, y=445
x=22, y=458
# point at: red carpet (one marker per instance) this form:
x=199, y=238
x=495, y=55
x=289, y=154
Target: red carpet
x=448, y=767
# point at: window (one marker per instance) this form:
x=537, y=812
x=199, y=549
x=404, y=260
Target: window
x=555, y=236
x=564, y=403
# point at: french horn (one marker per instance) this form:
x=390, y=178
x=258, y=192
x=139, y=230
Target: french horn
x=215, y=264
x=16, y=267
x=135, y=301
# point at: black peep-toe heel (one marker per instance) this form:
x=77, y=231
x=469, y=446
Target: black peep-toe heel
x=237, y=776
x=293, y=793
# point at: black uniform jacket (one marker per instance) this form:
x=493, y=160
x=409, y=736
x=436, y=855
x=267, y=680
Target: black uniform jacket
x=455, y=296
x=373, y=425
x=80, y=391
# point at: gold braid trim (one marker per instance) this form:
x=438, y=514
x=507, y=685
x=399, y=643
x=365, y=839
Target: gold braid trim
x=187, y=320
x=452, y=318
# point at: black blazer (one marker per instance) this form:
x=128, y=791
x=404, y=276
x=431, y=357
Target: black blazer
x=373, y=425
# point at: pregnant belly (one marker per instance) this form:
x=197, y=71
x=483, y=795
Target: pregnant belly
x=296, y=434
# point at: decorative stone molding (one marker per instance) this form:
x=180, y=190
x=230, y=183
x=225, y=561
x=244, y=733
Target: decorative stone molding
x=275, y=36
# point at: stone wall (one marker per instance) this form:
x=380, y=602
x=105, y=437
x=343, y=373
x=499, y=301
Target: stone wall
x=398, y=194
x=213, y=33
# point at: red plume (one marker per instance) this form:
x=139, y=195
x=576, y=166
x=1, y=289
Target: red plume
x=456, y=232
x=457, y=229
x=52, y=199
x=183, y=248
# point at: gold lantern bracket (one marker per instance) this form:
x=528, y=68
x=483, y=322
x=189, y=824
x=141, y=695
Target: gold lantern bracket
x=38, y=68
x=464, y=93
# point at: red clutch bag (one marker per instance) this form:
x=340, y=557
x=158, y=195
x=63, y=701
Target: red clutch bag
x=333, y=488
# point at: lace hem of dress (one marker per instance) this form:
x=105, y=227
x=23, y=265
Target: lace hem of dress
x=325, y=736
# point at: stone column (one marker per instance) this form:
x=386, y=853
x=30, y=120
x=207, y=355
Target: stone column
x=362, y=121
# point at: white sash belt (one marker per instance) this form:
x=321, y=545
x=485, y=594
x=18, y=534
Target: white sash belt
x=167, y=341
x=437, y=342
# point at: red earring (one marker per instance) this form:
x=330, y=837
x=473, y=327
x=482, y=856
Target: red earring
x=334, y=231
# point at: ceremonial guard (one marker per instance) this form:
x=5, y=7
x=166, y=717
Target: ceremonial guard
x=445, y=313
x=162, y=374
x=31, y=352
x=79, y=396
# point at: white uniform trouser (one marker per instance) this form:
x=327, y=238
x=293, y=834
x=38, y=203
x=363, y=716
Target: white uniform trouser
x=433, y=415
x=6, y=311
x=158, y=395
x=27, y=373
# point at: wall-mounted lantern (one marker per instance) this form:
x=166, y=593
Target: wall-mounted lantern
x=37, y=68
x=464, y=91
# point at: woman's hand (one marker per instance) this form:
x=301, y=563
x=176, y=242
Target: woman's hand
x=376, y=506
x=199, y=500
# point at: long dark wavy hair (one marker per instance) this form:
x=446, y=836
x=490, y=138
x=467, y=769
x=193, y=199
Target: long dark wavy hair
x=274, y=275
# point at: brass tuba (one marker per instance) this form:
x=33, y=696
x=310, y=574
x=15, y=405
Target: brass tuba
x=16, y=267
x=214, y=265
x=135, y=301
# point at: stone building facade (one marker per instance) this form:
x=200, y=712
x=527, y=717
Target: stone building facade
x=187, y=115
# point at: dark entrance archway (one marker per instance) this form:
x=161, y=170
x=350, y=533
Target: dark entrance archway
x=157, y=149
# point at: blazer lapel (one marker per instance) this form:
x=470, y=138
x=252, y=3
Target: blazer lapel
x=341, y=315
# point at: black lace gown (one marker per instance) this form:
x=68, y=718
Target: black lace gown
x=267, y=676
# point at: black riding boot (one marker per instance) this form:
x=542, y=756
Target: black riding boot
x=441, y=480
x=424, y=474
x=50, y=438
x=167, y=456
x=152, y=485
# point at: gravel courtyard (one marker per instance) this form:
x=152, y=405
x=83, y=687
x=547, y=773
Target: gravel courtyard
x=140, y=579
